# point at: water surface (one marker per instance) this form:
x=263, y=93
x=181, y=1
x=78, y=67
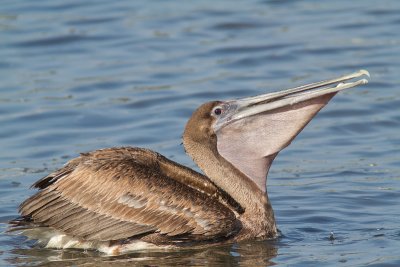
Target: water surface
x=81, y=75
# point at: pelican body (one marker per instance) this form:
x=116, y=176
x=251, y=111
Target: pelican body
x=121, y=199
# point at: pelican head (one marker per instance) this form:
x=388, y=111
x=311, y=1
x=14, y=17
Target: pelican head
x=250, y=132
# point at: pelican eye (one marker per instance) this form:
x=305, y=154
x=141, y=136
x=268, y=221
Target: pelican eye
x=217, y=111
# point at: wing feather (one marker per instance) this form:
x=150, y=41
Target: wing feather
x=119, y=193
x=37, y=201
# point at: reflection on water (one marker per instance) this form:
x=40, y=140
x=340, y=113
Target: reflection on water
x=81, y=75
x=258, y=253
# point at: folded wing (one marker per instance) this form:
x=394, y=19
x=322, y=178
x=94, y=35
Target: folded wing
x=119, y=193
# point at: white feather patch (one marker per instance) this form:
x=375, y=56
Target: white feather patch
x=132, y=201
x=51, y=238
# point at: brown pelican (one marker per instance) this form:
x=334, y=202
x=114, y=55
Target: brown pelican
x=122, y=199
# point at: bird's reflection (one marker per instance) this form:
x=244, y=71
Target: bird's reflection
x=254, y=253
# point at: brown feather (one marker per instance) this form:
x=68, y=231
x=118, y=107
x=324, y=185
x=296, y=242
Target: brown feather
x=119, y=193
x=37, y=201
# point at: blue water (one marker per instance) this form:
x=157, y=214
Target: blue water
x=81, y=75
